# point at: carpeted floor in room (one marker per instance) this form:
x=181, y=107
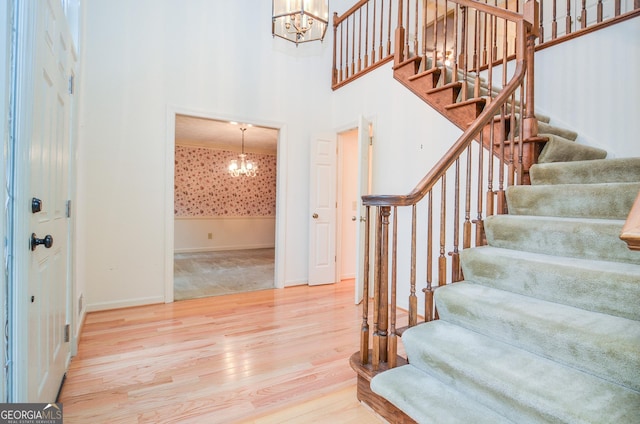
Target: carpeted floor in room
x=203, y=274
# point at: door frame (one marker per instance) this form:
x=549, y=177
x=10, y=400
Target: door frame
x=6, y=163
x=281, y=191
x=19, y=183
x=354, y=125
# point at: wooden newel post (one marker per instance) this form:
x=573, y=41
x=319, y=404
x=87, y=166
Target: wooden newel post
x=364, y=334
x=381, y=300
x=532, y=16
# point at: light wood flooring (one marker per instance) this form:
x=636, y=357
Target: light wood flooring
x=261, y=357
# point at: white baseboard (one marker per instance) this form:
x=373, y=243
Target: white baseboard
x=103, y=306
x=292, y=283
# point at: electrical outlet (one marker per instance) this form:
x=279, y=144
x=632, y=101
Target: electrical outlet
x=210, y=236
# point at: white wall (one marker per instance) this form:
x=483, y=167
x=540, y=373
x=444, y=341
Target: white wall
x=217, y=57
x=227, y=233
x=591, y=85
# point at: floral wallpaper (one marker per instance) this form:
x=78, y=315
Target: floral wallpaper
x=203, y=187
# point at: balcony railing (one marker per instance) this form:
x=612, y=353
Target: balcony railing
x=365, y=35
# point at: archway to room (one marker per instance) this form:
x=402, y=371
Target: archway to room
x=224, y=226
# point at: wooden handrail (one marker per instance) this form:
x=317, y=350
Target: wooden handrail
x=631, y=229
x=339, y=19
x=493, y=10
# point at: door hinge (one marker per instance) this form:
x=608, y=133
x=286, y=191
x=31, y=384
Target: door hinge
x=71, y=85
x=68, y=212
x=67, y=329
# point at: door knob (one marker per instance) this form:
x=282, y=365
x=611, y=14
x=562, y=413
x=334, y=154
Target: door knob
x=314, y=216
x=353, y=218
x=363, y=219
x=47, y=241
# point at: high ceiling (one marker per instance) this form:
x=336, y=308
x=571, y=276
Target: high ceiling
x=223, y=135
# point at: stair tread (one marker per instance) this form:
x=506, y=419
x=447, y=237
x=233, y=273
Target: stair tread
x=572, y=281
x=405, y=62
x=452, y=85
x=587, y=238
x=597, y=200
x=475, y=100
x=426, y=399
x=574, y=337
x=424, y=74
x=523, y=386
x=559, y=149
x=580, y=172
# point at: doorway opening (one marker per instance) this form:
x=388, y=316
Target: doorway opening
x=347, y=200
x=224, y=225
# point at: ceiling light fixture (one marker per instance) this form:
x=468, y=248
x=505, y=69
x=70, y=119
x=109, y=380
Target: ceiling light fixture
x=246, y=167
x=300, y=21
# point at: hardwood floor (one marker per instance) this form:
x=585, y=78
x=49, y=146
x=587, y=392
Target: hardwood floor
x=260, y=357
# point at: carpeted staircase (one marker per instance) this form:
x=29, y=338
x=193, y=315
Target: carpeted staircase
x=546, y=325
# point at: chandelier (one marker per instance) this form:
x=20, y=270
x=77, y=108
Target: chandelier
x=300, y=21
x=246, y=167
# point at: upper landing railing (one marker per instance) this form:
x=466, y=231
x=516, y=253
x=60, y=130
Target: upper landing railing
x=364, y=36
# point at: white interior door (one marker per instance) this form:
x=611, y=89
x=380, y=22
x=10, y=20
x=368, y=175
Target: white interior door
x=322, y=211
x=365, y=135
x=42, y=352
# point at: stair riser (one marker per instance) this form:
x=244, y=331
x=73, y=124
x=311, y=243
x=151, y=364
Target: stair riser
x=598, y=240
x=444, y=97
x=407, y=68
x=597, y=287
x=576, y=338
x=424, y=81
x=544, y=128
x=466, y=112
x=606, y=201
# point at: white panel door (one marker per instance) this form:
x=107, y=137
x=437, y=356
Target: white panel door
x=322, y=211
x=45, y=137
x=365, y=135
